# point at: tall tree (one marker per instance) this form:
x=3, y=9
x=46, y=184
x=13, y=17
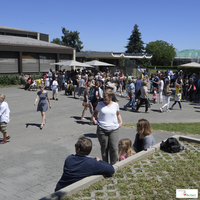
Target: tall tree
x=71, y=38
x=163, y=52
x=135, y=44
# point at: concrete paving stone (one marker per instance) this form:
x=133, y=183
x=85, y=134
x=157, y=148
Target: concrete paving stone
x=8, y=191
x=2, y=196
x=25, y=193
x=37, y=188
x=39, y=195
x=13, y=197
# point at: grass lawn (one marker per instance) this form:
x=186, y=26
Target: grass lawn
x=189, y=128
x=156, y=177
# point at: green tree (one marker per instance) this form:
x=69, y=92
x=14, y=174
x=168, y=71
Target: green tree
x=71, y=38
x=56, y=41
x=135, y=44
x=163, y=52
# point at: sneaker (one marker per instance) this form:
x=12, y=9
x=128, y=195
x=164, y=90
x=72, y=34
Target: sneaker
x=125, y=108
x=53, y=98
x=161, y=110
x=168, y=110
x=56, y=99
x=3, y=142
x=90, y=123
x=133, y=110
x=7, y=138
x=171, y=108
x=181, y=108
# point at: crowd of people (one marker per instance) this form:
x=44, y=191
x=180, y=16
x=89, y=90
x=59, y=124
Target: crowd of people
x=99, y=92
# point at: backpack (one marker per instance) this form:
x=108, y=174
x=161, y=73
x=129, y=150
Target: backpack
x=92, y=94
x=171, y=145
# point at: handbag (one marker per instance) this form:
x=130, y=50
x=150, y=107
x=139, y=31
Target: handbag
x=177, y=85
x=194, y=88
x=84, y=104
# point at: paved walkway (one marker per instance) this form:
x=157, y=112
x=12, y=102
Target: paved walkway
x=31, y=163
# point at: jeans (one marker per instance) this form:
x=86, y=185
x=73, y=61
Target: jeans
x=131, y=101
x=109, y=144
x=178, y=103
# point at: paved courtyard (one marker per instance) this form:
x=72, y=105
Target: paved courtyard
x=31, y=163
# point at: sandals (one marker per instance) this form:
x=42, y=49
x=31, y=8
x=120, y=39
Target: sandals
x=41, y=126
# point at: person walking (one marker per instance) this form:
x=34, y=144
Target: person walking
x=167, y=93
x=55, y=89
x=43, y=97
x=178, y=97
x=160, y=86
x=131, y=94
x=191, y=89
x=4, y=118
x=143, y=97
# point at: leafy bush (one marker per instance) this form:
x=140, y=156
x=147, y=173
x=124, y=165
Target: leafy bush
x=15, y=79
x=10, y=80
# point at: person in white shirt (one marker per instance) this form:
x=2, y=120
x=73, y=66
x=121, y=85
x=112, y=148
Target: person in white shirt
x=178, y=97
x=160, y=86
x=55, y=89
x=109, y=121
x=4, y=118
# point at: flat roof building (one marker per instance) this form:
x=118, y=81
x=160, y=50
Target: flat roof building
x=24, y=51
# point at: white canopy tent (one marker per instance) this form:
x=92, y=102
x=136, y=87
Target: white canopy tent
x=192, y=64
x=70, y=63
x=98, y=63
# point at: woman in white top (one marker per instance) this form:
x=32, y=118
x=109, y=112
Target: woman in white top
x=160, y=86
x=167, y=93
x=109, y=121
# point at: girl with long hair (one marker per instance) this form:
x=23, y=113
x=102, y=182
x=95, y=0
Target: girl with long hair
x=125, y=149
x=167, y=93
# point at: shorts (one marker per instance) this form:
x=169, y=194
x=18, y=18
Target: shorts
x=121, y=83
x=75, y=88
x=3, y=126
x=55, y=91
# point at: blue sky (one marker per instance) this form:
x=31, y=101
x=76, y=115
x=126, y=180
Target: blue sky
x=105, y=25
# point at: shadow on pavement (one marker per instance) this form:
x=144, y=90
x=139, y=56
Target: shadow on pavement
x=197, y=107
x=82, y=122
x=76, y=117
x=155, y=110
x=91, y=135
x=32, y=124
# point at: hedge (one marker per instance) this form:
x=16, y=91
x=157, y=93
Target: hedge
x=14, y=79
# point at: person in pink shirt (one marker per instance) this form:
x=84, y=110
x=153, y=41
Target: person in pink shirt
x=125, y=149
